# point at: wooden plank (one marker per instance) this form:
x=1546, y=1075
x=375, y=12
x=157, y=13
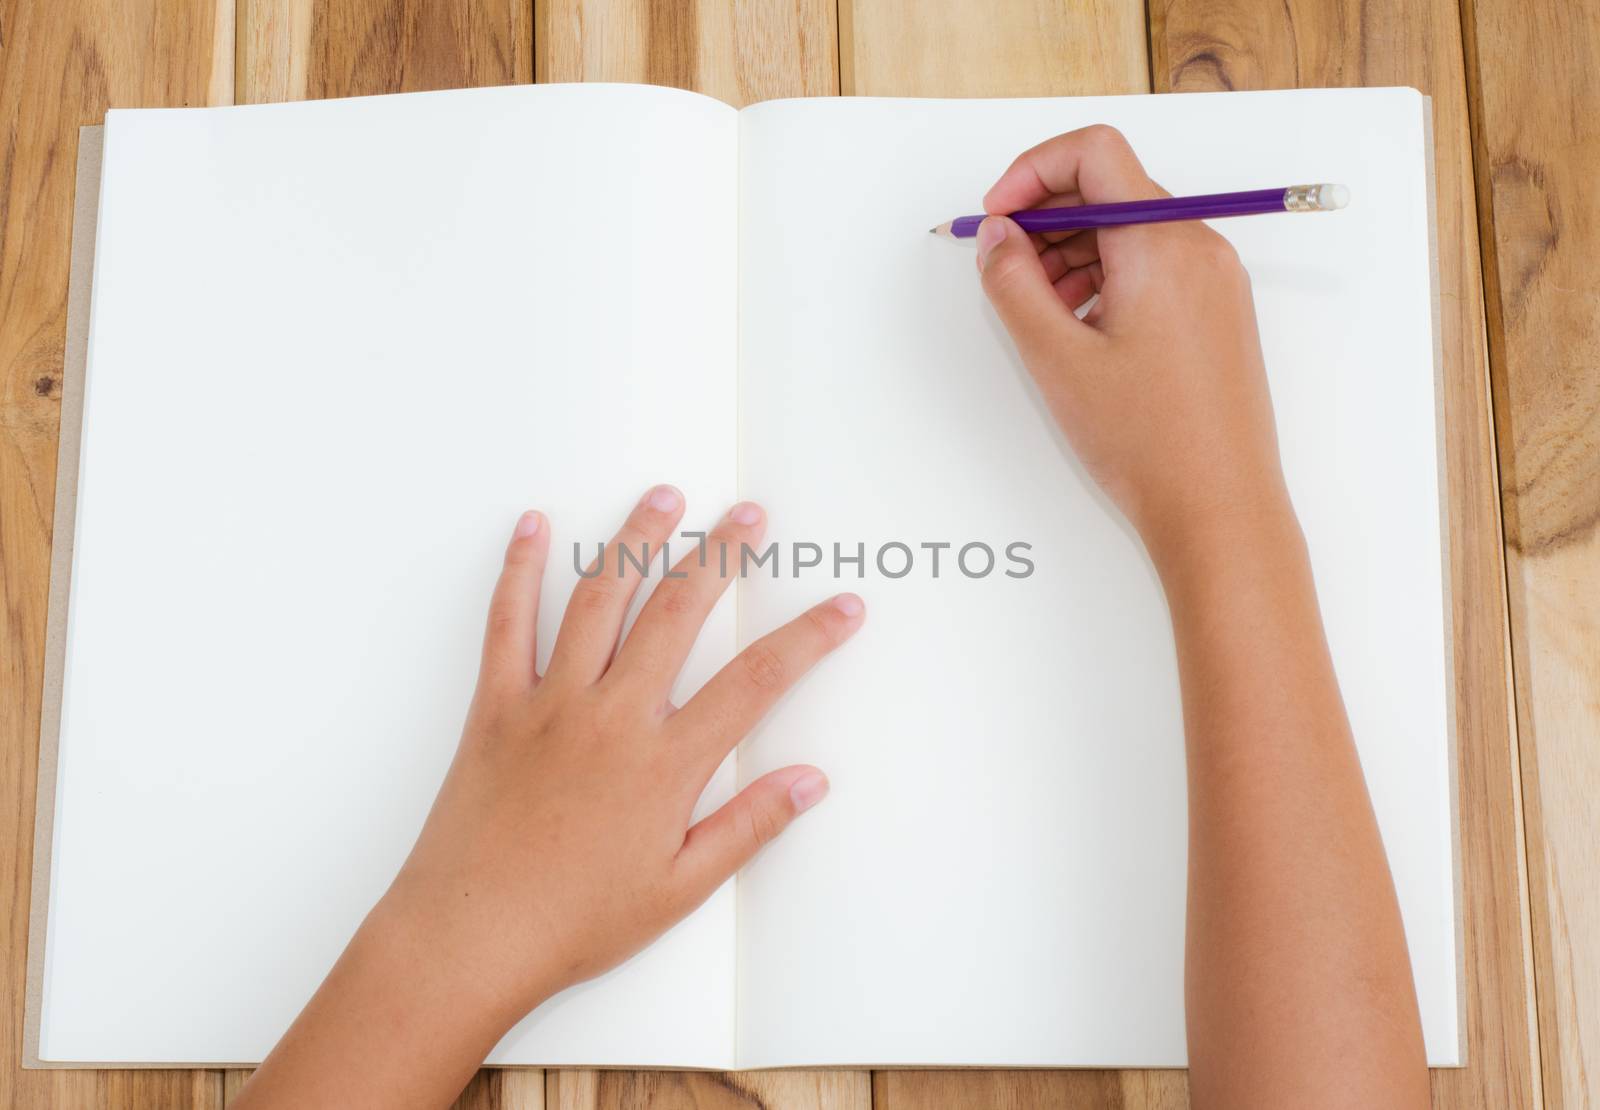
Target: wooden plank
x=311, y=49
x=788, y=1090
x=1072, y=1090
x=1016, y=1090
x=61, y=65
x=490, y=1089
x=1536, y=90
x=1206, y=45
x=504, y=1089
x=273, y=41
x=308, y=49
x=1017, y=48
x=740, y=53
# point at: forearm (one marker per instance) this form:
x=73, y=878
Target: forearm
x=397, y=1023
x=1299, y=988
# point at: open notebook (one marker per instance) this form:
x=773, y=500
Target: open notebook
x=336, y=347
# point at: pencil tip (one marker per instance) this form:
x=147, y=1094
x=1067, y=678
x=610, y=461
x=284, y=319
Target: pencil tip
x=943, y=231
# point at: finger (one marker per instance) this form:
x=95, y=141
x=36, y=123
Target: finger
x=1095, y=163
x=1075, y=287
x=1097, y=278
x=1050, y=237
x=722, y=843
x=594, y=616
x=670, y=622
x=1016, y=283
x=1070, y=254
x=509, y=644
x=740, y=693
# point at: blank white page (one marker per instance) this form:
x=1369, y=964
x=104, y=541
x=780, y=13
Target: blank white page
x=998, y=875
x=336, y=349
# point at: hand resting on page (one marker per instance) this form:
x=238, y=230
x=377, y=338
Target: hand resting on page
x=561, y=841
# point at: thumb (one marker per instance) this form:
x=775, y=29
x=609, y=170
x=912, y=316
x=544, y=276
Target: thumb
x=1016, y=284
x=726, y=840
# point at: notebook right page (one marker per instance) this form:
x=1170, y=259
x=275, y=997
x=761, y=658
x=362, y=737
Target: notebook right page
x=998, y=876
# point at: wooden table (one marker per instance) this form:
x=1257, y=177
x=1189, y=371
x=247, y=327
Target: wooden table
x=1516, y=93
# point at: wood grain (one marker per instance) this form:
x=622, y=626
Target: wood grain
x=1021, y=48
x=273, y=49
x=504, y=1089
x=1024, y=1090
x=61, y=65
x=1017, y=48
x=1535, y=99
x=309, y=49
x=1234, y=44
x=772, y=1090
x=739, y=53
x=490, y=1089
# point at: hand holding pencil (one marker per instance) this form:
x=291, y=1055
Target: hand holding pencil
x=1162, y=390
x=1160, y=386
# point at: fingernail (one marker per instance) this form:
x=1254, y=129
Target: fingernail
x=849, y=604
x=663, y=499
x=745, y=512
x=807, y=790
x=527, y=524
x=991, y=233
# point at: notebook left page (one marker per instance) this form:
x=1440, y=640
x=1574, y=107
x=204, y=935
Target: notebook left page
x=335, y=349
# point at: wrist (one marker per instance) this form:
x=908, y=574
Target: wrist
x=1222, y=540
x=403, y=1019
x=442, y=950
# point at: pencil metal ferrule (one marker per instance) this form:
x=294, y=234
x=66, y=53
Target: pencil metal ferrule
x=1315, y=198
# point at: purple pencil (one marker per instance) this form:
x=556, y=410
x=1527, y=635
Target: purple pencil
x=1294, y=198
